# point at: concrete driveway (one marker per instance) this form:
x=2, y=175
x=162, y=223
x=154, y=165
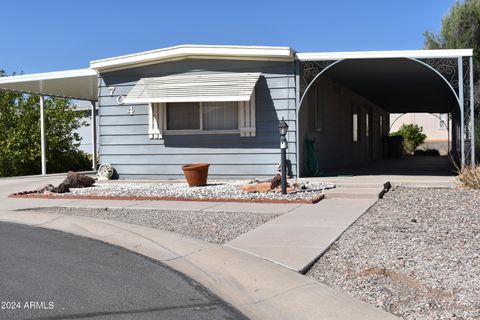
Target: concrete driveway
x=49, y=274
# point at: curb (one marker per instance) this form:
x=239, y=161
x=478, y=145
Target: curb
x=89, y=197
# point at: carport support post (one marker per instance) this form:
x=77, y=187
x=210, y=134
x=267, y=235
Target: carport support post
x=94, y=135
x=42, y=135
x=461, y=103
x=472, y=116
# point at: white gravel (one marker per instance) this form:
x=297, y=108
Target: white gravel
x=212, y=226
x=416, y=253
x=219, y=190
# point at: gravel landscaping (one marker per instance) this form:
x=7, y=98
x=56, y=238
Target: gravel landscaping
x=219, y=191
x=416, y=254
x=213, y=226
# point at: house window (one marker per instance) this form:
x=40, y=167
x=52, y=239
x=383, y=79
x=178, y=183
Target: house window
x=183, y=116
x=355, y=121
x=443, y=120
x=220, y=115
x=202, y=116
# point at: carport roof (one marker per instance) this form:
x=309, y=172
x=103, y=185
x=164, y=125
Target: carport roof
x=75, y=84
x=397, y=81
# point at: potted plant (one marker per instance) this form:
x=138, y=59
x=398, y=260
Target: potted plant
x=196, y=174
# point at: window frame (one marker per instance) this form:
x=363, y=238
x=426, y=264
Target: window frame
x=201, y=130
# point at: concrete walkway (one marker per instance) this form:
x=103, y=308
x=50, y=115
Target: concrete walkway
x=297, y=238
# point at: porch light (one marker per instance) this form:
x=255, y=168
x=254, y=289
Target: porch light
x=283, y=129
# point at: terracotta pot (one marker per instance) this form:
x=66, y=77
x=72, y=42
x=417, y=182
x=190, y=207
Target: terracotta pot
x=196, y=174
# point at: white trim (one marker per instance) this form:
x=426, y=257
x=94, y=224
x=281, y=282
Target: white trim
x=155, y=120
x=49, y=76
x=417, y=54
x=187, y=132
x=194, y=52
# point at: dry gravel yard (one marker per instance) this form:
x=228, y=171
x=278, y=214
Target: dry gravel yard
x=212, y=226
x=416, y=254
x=215, y=190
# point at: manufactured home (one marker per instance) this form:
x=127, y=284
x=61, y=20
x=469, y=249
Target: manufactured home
x=161, y=109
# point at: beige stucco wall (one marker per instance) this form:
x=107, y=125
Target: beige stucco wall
x=437, y=136
x=334, y=143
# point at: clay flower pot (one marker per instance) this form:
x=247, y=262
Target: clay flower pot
x=196, y=174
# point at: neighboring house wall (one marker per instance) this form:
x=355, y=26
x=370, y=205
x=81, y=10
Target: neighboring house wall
x=85, y=132
x=436, y=132
x=334, y=140
x=124, y=140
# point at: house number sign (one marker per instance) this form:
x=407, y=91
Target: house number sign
x=121, y=101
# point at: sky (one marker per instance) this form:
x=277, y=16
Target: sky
x=53, y=35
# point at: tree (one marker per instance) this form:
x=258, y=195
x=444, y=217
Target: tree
x=460, y=30
x=20, y=135
x=412, y=137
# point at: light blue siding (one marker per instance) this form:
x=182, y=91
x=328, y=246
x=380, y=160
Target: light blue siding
x=124, y=140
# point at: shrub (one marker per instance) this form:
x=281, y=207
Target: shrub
x=469, y=177
x=412, y=137
x=426, y=152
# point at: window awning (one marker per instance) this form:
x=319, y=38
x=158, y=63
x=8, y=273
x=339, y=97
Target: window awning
x=75, y=84
x=194, y=88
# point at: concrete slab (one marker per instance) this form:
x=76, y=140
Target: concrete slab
x=353, y=192
x=297, y=238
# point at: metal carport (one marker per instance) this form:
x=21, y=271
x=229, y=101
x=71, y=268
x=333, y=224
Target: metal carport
x=403, y=81
x=72, y=84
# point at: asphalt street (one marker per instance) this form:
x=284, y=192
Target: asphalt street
x=47, y=274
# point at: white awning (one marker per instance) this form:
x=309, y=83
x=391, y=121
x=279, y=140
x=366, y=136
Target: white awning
x=74, y=84
x=194, y=88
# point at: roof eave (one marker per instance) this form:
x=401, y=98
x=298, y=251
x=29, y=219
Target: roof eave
x=414, y=54
x=194, y=52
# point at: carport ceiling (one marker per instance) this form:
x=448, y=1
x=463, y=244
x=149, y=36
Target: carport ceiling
x=396, y=84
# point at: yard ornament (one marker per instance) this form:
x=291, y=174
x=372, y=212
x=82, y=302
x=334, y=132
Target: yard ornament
x=105, y=171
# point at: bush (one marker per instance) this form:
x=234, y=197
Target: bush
x=76, y=160
x=469, y=177
x=426, y=152
x=412, y=137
